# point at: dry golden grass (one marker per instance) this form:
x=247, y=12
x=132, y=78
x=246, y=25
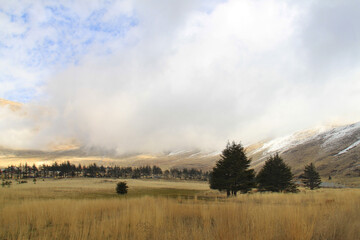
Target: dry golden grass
x=90, y=209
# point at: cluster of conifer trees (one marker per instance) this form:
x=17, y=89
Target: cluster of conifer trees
x=232, y=174
x=67, y=169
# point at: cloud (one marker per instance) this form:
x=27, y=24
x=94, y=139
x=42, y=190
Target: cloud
x=16, y=132
x=331, y=36
x=38, y=39
x=195, y=86
x=189, y=74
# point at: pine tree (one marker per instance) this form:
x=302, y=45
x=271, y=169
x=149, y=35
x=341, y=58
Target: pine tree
x=121, y=188
x=231, y=172
x=311, y=177
x=276, y=176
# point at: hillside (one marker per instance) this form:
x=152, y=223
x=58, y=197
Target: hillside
x=12, y=105
x=166, y=160
x=334, y=150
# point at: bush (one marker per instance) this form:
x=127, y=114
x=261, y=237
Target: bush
x=6, y=183
x=121, y=188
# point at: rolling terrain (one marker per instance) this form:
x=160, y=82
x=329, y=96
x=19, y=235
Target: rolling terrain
x=153, y=209
x=335, y=151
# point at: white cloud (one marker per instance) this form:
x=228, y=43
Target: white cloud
x=188, y=78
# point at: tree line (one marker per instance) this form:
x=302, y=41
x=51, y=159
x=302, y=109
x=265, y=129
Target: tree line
x=66, y=169
x=232, y=174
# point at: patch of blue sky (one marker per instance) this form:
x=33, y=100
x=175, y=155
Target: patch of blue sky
x=74, y=36
x=13, y=18
x=4, y=45
x=19, y=35
x=65, y=37
x=25, y=17
x=88, y=41
x=21, y=95
x=209, y=5
x=14, y=91
x=116, y=27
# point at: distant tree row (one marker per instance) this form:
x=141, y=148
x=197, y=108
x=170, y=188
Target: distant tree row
x=67, y=169
x=232, y=174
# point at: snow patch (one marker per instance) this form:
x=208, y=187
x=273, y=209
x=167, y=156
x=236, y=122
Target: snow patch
x=178, y=152
x=205, y=154
x=284, y=143
x=194, y=155
x=211, y=154
x=350, y=147
x=339, y=133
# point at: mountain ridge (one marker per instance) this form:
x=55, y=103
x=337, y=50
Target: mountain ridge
x=11, y=104
x=334, y=149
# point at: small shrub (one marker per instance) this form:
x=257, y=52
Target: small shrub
x=121, y=188
x=6, y=183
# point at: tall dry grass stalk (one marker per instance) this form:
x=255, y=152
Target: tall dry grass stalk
x=323, y=214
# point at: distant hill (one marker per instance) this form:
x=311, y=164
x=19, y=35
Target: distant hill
x=335, y=151
x=12, y=105
x=166, y=160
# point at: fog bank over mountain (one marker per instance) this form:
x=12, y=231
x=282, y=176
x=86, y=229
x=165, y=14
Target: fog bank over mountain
x=170, y=76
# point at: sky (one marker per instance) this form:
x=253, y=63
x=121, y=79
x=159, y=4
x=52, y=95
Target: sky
x=138, y=75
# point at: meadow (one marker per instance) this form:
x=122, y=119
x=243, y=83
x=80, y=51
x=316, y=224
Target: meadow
x=159, y=209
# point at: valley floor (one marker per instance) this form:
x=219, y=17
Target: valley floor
x=154, y=209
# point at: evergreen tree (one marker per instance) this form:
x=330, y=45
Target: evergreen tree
x=276, y=176
x=311, y=177
x=121, y=188
x=231, y=172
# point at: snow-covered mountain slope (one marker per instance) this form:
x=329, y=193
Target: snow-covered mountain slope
x=334, y=150
x=284, y=143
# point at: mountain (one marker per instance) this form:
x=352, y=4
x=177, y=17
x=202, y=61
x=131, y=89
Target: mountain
x=83, y=155
x=335, y=151
x=12, y=105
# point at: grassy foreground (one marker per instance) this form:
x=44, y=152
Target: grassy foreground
x=90, y=209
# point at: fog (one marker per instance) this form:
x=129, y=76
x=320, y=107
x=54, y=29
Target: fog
x=194, y=75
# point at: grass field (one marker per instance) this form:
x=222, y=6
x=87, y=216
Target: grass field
x=90, y=209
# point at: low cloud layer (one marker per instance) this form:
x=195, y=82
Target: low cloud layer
x=191, y=75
